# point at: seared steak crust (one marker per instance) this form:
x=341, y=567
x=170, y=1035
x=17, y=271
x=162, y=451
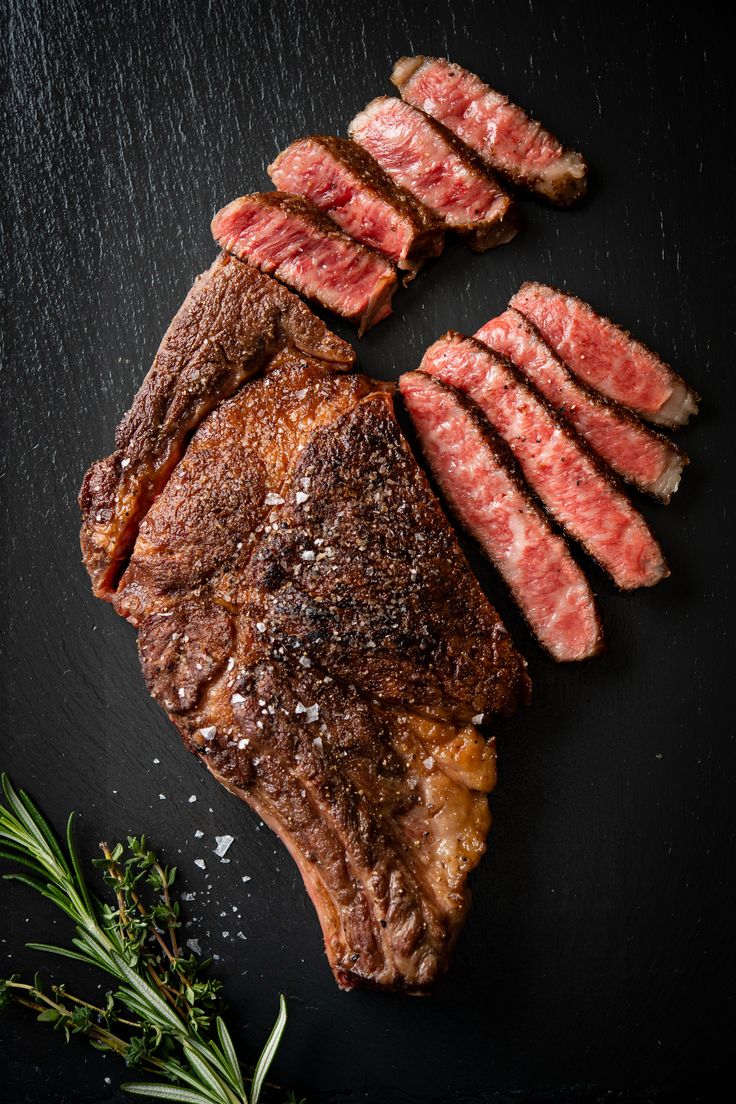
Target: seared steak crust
x=231, y=322
x=308, y=621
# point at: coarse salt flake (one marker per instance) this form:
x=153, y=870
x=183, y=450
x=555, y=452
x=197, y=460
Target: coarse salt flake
x=305, y=661
x=200, y=863
x=209, y=732
x=429, y=762
x=237, y=699
x=317, y=742
x=260, y=626
x=311, y=713
x=273, y=499
x=223, y=842
x=193, y=945
x=243, y=743
x=308, y=554
x=192, y=798
x=301, y=496
x=478, y=718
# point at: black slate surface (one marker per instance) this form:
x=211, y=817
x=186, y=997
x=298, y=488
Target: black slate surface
x=597, y=963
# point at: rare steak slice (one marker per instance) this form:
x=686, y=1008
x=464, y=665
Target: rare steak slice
x=606, y=357
x=497, y=130
x=480, y=479
x=559, y=468
x=429, y=162
x=288, y=237
x=347, y=184
x=642, y=457
x=310, y=625
x=231, y=322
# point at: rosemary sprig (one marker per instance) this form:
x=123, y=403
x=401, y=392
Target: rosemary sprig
x=162, y=1016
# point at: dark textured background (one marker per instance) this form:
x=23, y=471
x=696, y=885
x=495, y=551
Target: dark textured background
x=598, y=957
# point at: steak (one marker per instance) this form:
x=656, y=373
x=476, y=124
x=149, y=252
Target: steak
x=606, y=357
x=288, y=237
x=349, y=186
x=231, y=322
x=646, y=459
x=480, y=479
x=571, y=483
x=306, y=618
x=430, y=163
x=498, y=131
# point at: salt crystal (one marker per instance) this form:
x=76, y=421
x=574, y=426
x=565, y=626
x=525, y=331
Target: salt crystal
x=230, y=663
x=209, y=732
x=223, y=842
x=241, y=936
x=162, y=797
x=308, y=555
x=305, y=662
x=478, y=718
x=192, y=798
x=237, y=699
x=272, y=499
x=124, y=463
x=193, y=945
x=198, y=834
x=200, y=863
x=306, y=482
x=317, y=742
x=312, y=713
x=246, y=877
x=188, y=896
x=226, y=935
x=157, y=760
x=300, y=708
x=260, y=626
x=301, y=496
x=243, y=743
x=429, y=762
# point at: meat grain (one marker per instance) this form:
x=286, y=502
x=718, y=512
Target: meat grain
x=479, y=478
x=348, y=185
x=289, y=238
x=430, y=163
x=558, y=467
x=646, y=459
x=606, y=357
x=497, y=130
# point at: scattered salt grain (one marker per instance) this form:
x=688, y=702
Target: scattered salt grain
x=478, y=718
x=124, y=463
x=162, y=797
x=188, y=896
x=429, y=762
x=305, y=661
x=157, y=760
x=237, y=699
x=192, y=798
x=307, y=555
x=198, y=834
x=226, y=935
x=260, y=626
x=193, y=945
x=272, y=499
x=223, y=842
x=200, y=863
x=312, y=713
x=317, y=742
x=246, y=877
x=209, y=732
x=301, y=496
x=243, y=743
x=241, y=936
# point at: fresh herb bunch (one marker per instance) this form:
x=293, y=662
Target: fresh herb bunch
x=162, y=1015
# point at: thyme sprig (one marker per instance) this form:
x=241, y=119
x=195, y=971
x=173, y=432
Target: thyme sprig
x=162, y=1016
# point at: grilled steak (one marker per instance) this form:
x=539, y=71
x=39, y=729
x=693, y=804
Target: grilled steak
x=430, y=163
x=349, y=186
x=288, y=237
x=642, y=457
x=307, y=620
x=499, y=132
x=563, y=473
x=231, y=321
x=606, y=357
x=479, y=478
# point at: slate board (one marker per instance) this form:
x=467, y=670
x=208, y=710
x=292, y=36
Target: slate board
x=598, y=959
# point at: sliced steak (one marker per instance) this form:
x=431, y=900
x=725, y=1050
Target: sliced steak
x=430, y=163
x=231, y=322
x=309, y=623
x=560, y=470
x=646, y=459
x=349, y=186
x=479, y=477
x=606, y=357
x=497, y=130
x=288, y=237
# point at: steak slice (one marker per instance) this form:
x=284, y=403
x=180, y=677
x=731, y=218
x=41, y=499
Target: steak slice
x=231, y=322
x=606, y=357
x=309, y=623
x=568, y=479
x=480, y=479
x=500, y=132
x=349, y=186
x=288, y=237
x=646, y=459
x=430, y=163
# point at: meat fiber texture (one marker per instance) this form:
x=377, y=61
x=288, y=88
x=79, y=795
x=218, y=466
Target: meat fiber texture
x=647, y=460
x=565, y=475
x=479, y=478
x=348, y=185
x=289, y=238
x=308, y=621
x=430, y=163
x=501, y=133
x=606, y=357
